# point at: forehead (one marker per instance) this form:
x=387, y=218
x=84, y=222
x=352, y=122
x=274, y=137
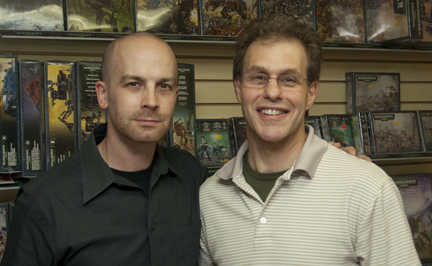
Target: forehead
x=276, y=55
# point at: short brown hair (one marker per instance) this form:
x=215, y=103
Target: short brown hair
x=280, y=28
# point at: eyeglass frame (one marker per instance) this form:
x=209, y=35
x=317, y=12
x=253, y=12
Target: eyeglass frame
x=278, y=78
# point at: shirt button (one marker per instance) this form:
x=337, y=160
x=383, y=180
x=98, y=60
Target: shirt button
x=263, y=220
x=153, y=227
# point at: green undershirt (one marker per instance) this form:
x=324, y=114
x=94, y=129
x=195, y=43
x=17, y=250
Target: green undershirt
x=261, y=183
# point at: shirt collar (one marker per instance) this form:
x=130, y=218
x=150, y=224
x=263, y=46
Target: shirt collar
x=307, y=161
x=98, y=176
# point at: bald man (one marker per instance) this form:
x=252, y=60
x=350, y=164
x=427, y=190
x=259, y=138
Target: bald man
x=121, y=200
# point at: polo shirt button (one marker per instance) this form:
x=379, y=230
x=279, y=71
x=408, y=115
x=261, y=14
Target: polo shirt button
x=263, y=220
x=153, y=227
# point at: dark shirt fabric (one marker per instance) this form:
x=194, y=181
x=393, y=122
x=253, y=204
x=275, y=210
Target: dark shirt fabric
x=81, y=213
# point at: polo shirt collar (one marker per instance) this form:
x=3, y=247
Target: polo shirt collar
x=307, y=161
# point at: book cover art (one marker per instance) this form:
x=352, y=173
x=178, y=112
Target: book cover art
x=416, y=193
x=44, y=15
x=9, y=114
x=425, y=118
x=226, y=18
x=340, y=21
x=88, y=113
x=182, y=131
x=213, y=143
x=396, y=132
x=339, y=130
x=31, y=89
x=59, y=111
x=373, y=92
x=303, y=11
x=238, y=133
x=168, y=17
x=365, y=128
x=357, y=134
x=426, y=17
x=100, y=15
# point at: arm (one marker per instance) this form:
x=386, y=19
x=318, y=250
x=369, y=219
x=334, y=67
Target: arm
x=204, y=258
x=383, y=235
x=28, y=242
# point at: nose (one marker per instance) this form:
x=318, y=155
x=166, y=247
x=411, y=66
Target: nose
x=149, y=98
x=272, y=90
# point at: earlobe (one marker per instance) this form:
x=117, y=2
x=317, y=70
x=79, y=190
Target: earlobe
x=101, y=91
x=312, y=93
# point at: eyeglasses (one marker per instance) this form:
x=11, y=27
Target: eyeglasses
x=260, y=80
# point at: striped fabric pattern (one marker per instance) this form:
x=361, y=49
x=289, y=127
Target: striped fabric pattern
x=348, y=213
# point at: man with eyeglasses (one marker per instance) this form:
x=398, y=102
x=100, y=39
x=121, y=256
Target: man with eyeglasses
x=288, y=197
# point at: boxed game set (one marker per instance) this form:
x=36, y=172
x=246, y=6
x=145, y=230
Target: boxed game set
x=371, y=92
x=396, y=132
x=37, y=16
x=365, y=129
x=340, y=21
x=59, y=112
x=168, y=17
x=416, y=193
x=303, y=11
x=9, y=114
x=425, y=122
x=237, y=133
x=357, y=134
x=88, y=113
x=213, y=143
x=392, y=20
x=112, y=16
x=31, y=106
x=226, y=18
x=314, y=121
x=337, y=128
x=182, y=132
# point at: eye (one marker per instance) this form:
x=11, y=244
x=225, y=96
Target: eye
x=288, y=80
x=133, y=84
x=165, y=86
x=259, y=78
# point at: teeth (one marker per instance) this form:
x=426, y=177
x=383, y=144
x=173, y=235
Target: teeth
x=271, y=112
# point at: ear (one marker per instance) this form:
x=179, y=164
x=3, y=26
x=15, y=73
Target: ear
x=312, y=93
x=102, y=94
x=237, y=84
x=177, y=91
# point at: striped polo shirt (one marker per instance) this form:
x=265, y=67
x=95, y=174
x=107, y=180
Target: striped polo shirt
x=330, y=208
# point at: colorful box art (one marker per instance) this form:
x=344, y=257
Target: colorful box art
x=340, y=21
x=314, y=121
x=101, y=15
x=5, y=217
x=337, y=128
x=226, y=18
x=9, y=114
x=182, y=131
x=396, y=132
x=33, y=160
x=372, y=92
x=24, y=15
x=59, y=111
x=213, y=143
x=168, y=17
x=303, y=11
x=392, y=20
x=416, y=193
x=89, y=115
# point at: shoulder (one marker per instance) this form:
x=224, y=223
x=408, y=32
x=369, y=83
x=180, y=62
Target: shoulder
x=53, y=184
x=182, y=162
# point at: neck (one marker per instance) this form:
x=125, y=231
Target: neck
x=273, y=157
x=126, y=155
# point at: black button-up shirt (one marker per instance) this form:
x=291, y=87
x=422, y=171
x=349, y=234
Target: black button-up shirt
x=80, y=213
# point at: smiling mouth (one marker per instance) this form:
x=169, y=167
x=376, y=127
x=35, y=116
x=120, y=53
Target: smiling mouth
x=272, y=112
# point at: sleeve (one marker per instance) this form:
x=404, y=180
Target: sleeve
x=28, y=241
x=384, y=236
x=204, y=258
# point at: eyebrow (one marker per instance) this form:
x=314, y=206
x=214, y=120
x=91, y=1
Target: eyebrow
x=285, y=71
x=140, y=79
